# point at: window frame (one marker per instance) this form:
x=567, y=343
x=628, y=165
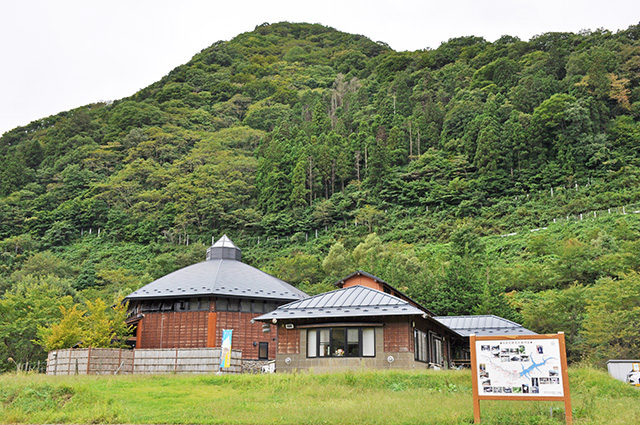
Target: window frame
x=260, y=348
x=421, y=346
x=436, y=341
x=344, y=346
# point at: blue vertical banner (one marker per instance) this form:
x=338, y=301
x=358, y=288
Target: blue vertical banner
x=225, y=356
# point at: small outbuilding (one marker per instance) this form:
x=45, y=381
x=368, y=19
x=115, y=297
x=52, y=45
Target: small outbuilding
x=480, y=325
x=366, y=323
x=190, y=307
x=625, y=370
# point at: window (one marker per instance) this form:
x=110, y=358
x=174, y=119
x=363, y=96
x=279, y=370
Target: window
x=257, y=306
x=353, y=343
x=341, y=342
x=263, y=351
x=244, y=305
x=368, y=342
x=428, y=347
x=222, y=304
x=421, y=346
x=324, y=345
x=436, y=349
x=198, y=304
x=312, y=343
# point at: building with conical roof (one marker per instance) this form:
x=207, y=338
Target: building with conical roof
x=190, y=307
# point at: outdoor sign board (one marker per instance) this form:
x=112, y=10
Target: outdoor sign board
x=225, y=353
x=531, y=367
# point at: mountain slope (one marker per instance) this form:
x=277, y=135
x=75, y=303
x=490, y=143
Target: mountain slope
x=296, y=128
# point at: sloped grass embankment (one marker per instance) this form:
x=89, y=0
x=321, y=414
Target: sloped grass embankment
x=350, y=398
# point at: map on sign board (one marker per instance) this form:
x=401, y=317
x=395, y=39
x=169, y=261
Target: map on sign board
x=527, y=368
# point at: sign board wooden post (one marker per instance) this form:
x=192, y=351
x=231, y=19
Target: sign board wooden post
x=531, y=367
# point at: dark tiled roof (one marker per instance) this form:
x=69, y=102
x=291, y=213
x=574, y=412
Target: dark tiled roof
x=220, y=275
x=483, y=325
x=355, y=301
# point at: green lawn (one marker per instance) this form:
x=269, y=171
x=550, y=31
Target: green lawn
x=433, y=397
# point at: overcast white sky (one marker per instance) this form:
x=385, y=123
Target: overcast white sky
x=60, y=54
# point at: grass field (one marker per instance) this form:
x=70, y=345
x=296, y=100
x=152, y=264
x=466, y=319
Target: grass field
x=354, y=398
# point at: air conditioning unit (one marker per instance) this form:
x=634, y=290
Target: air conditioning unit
x=289, y=326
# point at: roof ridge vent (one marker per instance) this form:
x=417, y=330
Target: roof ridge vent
x=224, y=249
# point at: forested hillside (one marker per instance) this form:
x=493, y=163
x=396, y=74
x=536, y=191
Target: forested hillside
x=319, y=153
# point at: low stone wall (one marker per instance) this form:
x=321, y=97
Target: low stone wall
x=258, y=366
x=96, y=361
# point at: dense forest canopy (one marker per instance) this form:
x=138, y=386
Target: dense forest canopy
x=320, y=152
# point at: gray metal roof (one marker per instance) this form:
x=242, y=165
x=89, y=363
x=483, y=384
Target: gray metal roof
x=483, y=325
x=220, y=275
x=355, y=301
x=377, y=279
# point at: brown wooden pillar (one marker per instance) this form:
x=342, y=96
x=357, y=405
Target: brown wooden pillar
x=211, y=330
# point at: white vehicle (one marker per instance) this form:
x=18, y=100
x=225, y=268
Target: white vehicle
x=633, y=378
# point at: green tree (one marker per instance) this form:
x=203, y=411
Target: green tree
x=298, y=268
x=338, y=263
x=612, y=323
x=368, y=215
x=65, y=334
x=553, y=311
x=27, y=306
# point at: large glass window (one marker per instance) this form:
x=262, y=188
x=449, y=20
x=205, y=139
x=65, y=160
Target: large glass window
x=341, y=342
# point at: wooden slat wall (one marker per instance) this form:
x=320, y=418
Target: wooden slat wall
x=174, y=330
x=398, y=335
x=245, y=333
x=288, y=341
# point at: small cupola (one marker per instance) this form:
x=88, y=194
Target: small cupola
x=224, y=249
